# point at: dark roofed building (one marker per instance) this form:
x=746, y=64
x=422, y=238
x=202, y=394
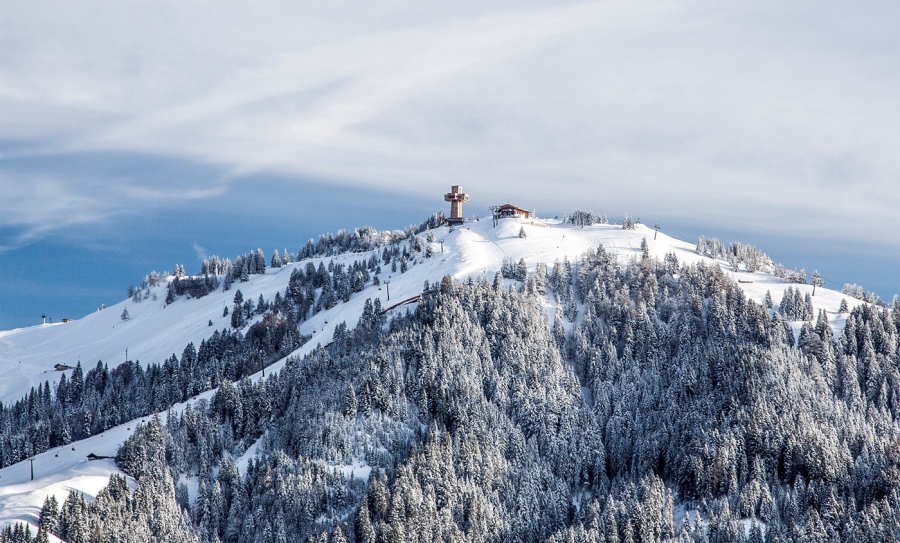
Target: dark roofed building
x=509, y=211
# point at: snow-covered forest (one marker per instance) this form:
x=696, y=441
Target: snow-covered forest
x=639, y=391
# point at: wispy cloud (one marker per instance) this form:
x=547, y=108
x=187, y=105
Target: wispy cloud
x=201, y=252
x=39, y=205
x=49, y=196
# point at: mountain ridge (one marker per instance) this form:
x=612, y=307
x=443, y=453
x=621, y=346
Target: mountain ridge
x=470, y=251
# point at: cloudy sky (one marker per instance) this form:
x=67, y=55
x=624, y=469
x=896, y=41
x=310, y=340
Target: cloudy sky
x=134, y=135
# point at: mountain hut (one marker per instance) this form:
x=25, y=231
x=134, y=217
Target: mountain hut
x=509, y=211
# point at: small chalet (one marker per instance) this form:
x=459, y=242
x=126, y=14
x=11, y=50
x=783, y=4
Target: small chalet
x=509, y=211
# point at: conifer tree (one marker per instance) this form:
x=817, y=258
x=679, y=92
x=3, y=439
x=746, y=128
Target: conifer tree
x=351, y=402
x=816, y=281
x=170, y=293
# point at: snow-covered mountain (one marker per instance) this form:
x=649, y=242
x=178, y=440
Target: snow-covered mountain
x=155, y=330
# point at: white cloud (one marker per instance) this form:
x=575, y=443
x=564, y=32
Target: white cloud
x=201, y=252
x=35, y=205
x=44, y=204
x=773, y=115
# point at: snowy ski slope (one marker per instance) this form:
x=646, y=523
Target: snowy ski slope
x=155, y=331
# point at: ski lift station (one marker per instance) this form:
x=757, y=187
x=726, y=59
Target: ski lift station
x=509, y=211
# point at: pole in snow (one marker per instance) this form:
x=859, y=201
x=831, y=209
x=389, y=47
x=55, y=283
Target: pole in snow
x=655, y=226
x=388, y=285
x=32, y=468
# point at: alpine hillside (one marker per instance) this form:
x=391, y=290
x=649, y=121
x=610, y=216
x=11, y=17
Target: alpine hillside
x=518, y=379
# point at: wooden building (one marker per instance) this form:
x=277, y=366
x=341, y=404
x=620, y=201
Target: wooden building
x=509, y=211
